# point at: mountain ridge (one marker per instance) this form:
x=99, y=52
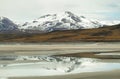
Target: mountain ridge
x=52, y=22
x=48, y=23
x=63, y=21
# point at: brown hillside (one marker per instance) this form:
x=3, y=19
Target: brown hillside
x=111, y=33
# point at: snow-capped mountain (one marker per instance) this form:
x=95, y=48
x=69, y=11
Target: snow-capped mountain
x=62, y=21
x=6, y=25
x=52, y=22
x=110, y=23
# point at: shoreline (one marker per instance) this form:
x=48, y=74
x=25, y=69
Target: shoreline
x=90, y=50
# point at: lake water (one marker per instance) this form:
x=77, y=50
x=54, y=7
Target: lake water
x=25, y=60
x=51, y=65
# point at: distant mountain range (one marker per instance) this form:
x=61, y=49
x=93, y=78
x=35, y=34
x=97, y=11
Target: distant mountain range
x=52, y=22
x=110, y=23
x=59, y=28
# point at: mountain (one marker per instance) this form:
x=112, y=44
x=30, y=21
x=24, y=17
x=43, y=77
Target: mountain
x=52, y=22
x=7, y=26
x=62, y=21
x=111, y=33
x=65, y=22
x=110, y=23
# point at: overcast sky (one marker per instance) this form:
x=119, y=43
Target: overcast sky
x=24, y=10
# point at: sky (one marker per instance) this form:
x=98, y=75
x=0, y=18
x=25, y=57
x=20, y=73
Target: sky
x=26, y=10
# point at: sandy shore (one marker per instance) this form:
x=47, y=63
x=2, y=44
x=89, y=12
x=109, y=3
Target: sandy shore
x=53, y=47
x=91, y=75
x=58, y=48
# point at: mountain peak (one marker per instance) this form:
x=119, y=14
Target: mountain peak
x=44, y=16
x=5, y=20
x=1, y=18
x=69, y=13
x=7, y=26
